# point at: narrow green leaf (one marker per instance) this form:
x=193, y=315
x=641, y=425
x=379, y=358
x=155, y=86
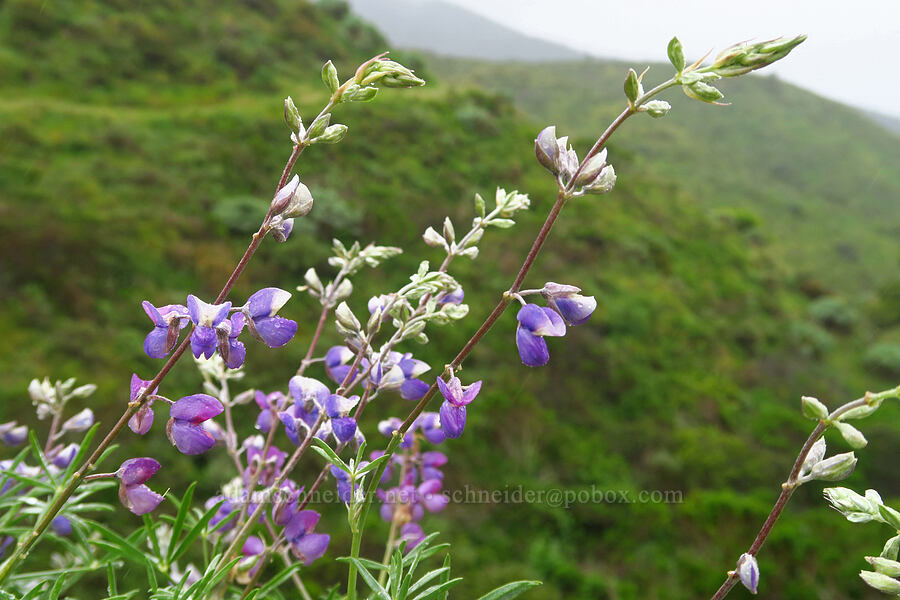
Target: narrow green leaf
x=428, y=577
x=395, y=573
x=196, y=530
x=370, y=564
x=446, y=577
x=109, y=450
x=116, y=541
x=39, y=456
x=183, y=511
x=510, y=590
x=280, y=578
x=437, y=590
x=37, y=483
x=12, y=467
x=82, y=451
x=112, y=587
x=380, y=592
x=329, y=454
x=33, y=592
x=151, y=535
x=56, y=590
x=373, y=465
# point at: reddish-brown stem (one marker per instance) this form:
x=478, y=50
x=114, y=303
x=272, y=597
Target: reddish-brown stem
x=314, y=341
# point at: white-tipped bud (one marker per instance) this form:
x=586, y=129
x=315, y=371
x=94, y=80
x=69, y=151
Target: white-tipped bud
x=546, y=149
x=891, y=548
x=434, y=239
x=748, y=572
x=311, y=278
x=330, y=77
x=814, y=456
x=813, y=409
x=343, y=290
x=852, y=435
x=318, y=126
x=449, y=232
x=889, y=567
x=604, y=183
x=300, y=203
x=656, y=108
x=881, y=582
x=292, y=115
x=332, y=134
x=856, y=508
x=838, y=467
x=346, y=318
x=81, y=421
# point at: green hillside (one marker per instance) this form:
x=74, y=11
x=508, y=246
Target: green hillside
x=824, y=177
x=139, y=154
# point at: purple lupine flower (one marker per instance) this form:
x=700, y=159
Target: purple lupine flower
x=344, y=485
x=269, y=406
x=430, y=425
x=12, y=434
x=250, y=564
x=338, y=409
x=432, y=461
x=205, y=317
x=141, y=421
x=748, y=571
x=233, y=351
x=274, y=331
x=336, y=360
x=453, y=410
x=285, y=506
x=309, y=398
x=403, y=375
x=535, y=322
x=168, y=321
x=306, y=545
x=134, y=494
x=412, y=534
x=64, y=456
x=574, y=308
x=226, y=508
x=389, y=426
x=61, y=526
x=185, y=427
x=266, y=468
x=282, y=231
x=80, y=421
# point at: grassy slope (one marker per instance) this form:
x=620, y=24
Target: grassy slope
x=686, y=379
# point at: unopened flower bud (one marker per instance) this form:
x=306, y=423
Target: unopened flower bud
x=301, y=202
x=881, y=582
x=346, y=318
x=434, y=239
x=546, y=149
x=656, y=108
x=80, y=421
x=889, y=567
x=745, y=57
x=292, y=115
x=332, y=134
x=748, y=571
x=816, y=454
x=330, y=77
x=592, y=168
x=702, y=91
x=344, y=289
x=604, y=183
x=312, y=280
x=813, y=409
x=318, y=126
x=838, y=467
x=13, y=434
x=283, y=196
x=852, y=435
x=449, y=233
x=891, y=548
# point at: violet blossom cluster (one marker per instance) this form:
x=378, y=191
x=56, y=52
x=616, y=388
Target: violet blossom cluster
x=214, y=331
x=565, y=307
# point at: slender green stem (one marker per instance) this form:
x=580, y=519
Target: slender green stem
x=788, y=487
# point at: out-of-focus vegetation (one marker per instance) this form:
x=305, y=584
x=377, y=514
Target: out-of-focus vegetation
x=140, y=147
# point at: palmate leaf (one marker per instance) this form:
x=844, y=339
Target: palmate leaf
x=510, y=590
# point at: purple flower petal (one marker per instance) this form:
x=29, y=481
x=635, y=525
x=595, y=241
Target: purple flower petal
x=135, y=471
x=575, y=309
x=413, y=389
x=532, y=349
x=139, y=499
x=236, y=354
x=141, y=421
x=154, y=314
x=469, y=393
x=253, y=546
x=196, y=408
x=533, y=318
x=302, y=524
x=266, y=302
x=275, y=331
x=293, y=427
x=557, y=326
x=204, y=341
x=344, y=428
x=156, y=343
x=412, y=534
x=307, y=388
x=137, y=384
x=189, y=438
x=65, y=456
x=310, y=547
x=453, y=419
x=434, y=458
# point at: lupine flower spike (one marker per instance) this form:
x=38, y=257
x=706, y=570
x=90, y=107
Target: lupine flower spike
x=453, y=410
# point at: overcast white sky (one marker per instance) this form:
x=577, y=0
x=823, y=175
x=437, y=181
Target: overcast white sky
x=852, y=54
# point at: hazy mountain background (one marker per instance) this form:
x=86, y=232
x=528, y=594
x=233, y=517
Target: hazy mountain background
x=746, y=257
